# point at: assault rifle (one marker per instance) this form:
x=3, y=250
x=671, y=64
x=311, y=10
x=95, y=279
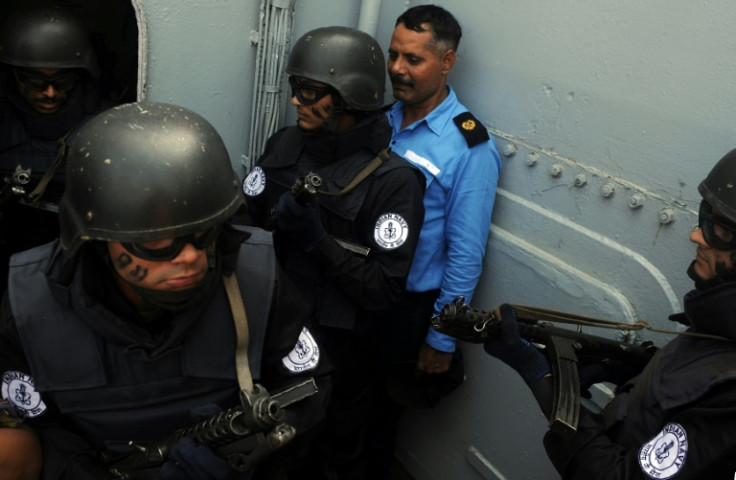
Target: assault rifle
x=303, y=188
x=243, y=434
x=564, y=348
x=15, y=184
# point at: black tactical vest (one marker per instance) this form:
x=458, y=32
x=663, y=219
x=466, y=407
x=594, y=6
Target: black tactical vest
x=115, y=392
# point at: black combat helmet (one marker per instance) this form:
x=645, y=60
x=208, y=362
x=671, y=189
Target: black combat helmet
x=348, y=60
x=719, y=187
x=47, y=38
x=145, y=171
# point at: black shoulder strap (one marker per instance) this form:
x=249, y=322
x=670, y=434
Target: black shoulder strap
x=33, y=197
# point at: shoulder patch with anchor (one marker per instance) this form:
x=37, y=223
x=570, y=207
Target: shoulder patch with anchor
x=664, y=455
x=305, y=355
x=19, y=389
x=471, y=128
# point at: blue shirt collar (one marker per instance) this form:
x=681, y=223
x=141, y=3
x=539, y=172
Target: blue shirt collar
x=436, y=120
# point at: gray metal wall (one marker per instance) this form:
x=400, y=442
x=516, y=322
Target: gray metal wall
x=608, y=115
x=199, y=54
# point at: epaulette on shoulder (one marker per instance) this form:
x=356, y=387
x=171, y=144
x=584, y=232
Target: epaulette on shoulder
x=471, y=128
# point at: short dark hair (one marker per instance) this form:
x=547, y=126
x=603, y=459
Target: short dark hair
x=443, y=26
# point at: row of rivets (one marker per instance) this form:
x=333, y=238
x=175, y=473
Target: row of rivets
x=634, y=200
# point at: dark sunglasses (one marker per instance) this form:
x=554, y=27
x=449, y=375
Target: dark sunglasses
x=717, y=232
x=39, y=82
x=199, y=240
x=307, y=94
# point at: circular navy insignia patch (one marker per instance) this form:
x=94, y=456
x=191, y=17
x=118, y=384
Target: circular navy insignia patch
x=19, y=389
x=390, y=231
x=255, y=182
x=664, y=455
x=305, y=355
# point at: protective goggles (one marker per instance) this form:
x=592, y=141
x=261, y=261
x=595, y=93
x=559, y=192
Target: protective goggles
x=307, y=94
x=717, y=232
x=40, y=82
x=170, y=248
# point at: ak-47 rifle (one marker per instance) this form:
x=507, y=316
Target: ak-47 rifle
x=564, y=348
x=243, y=434
x=303, y=188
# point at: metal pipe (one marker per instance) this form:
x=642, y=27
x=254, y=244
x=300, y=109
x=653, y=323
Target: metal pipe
x=368, y=20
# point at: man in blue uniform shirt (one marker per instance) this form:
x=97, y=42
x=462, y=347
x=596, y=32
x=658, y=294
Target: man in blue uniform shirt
x=433, y=130
x=438, y=134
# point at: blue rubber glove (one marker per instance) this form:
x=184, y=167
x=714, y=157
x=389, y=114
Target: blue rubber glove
x=300, y=223
x=515, y=351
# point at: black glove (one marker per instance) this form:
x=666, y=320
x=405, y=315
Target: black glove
x=300, y=223
x=189, y=460
x=515, y=351
x=612, y=371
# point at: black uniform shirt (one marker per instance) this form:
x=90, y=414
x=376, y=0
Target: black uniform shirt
x=390, y=198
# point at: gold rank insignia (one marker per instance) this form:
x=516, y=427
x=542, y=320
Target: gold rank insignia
x=468, y=124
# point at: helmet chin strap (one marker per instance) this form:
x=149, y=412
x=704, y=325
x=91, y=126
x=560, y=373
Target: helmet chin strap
x=175, y=300
x=719, y=279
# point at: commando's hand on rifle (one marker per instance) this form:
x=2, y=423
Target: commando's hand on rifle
x=498, y=331
x=189, y=460
x=607, y=370
x=515, y=351
x=302, y=192
x=306, y=187
x=300, y=222
x=238, y=438
x=507, y=333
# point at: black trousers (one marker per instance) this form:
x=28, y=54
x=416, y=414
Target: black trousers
x=359, y=436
